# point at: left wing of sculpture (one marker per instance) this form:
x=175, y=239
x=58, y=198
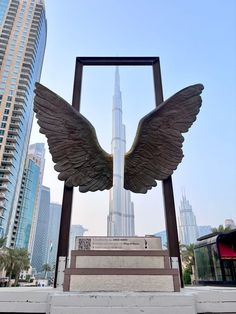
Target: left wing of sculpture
x=72, y=142
x=157, y=148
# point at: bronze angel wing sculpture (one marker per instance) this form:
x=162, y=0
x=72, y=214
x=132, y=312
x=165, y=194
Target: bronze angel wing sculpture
x=154, y=155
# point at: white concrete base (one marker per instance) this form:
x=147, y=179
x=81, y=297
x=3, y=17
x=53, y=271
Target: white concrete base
x=191, y=300
x=214, y=299
x=118, y=303
x=24, y=300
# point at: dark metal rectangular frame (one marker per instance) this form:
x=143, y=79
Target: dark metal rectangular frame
x=168, y=195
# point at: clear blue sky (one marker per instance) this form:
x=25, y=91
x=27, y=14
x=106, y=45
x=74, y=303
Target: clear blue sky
x=196, y=43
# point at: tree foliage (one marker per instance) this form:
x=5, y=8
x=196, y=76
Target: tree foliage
x=187, y=277
x=188, y=261
x=2, y=252
x=14, y=261
x=2, y=242
x=46, y=267
x=220, y=229
x=187, y=254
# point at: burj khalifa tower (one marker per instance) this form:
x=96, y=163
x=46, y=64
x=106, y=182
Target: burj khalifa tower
x=120, y=221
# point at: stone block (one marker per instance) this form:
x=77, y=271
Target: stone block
x=119, y=262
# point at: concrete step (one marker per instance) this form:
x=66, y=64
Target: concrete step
x=120, y=279
x=123, y=310
x=119, y=259
x=123, y=302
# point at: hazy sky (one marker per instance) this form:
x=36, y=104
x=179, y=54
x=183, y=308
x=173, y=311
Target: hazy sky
x=196, y=43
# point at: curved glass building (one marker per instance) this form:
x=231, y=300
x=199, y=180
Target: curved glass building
x=23, y=30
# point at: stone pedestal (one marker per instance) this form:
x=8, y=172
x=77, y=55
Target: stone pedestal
x=102, y=264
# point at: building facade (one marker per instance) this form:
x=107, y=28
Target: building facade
x=28, y=202
x=120, y=221
x=39, y=254
x=37, y=151
x=204, y=230
x=22, y=46
x=3, y=8
x=75, y=231
x=188, y=230
x=229, y=223
x=163, y=235
x=54, y=219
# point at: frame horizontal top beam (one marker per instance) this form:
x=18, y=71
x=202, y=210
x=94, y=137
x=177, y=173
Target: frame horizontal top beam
x=104, y=61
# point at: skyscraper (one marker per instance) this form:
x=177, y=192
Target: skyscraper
x=54, y=218
x=37, y=151
x=28, y=202
x=188, y=230
x=39, y=255
x=120, y=221
x=22, y=45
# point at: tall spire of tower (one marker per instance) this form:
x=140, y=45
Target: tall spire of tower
x=117, y=102
x=120, y=221
x=117, y=81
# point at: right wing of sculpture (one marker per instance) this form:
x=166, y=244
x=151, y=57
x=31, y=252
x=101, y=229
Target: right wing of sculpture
x=72, y=143
x=157, y=148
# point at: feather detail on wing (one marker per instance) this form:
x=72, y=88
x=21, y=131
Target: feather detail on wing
x=157, y=148
x=72, y=143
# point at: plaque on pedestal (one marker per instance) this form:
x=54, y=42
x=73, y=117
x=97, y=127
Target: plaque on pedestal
x=118, y=243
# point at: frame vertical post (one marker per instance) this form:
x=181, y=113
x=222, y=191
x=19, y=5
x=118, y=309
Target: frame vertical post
x=64, y=232
x=169, y=204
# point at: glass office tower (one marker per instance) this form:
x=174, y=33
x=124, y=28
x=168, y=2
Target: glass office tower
x=28, y=203
x=39, y=255
x=22, y=46
x=53, y=233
